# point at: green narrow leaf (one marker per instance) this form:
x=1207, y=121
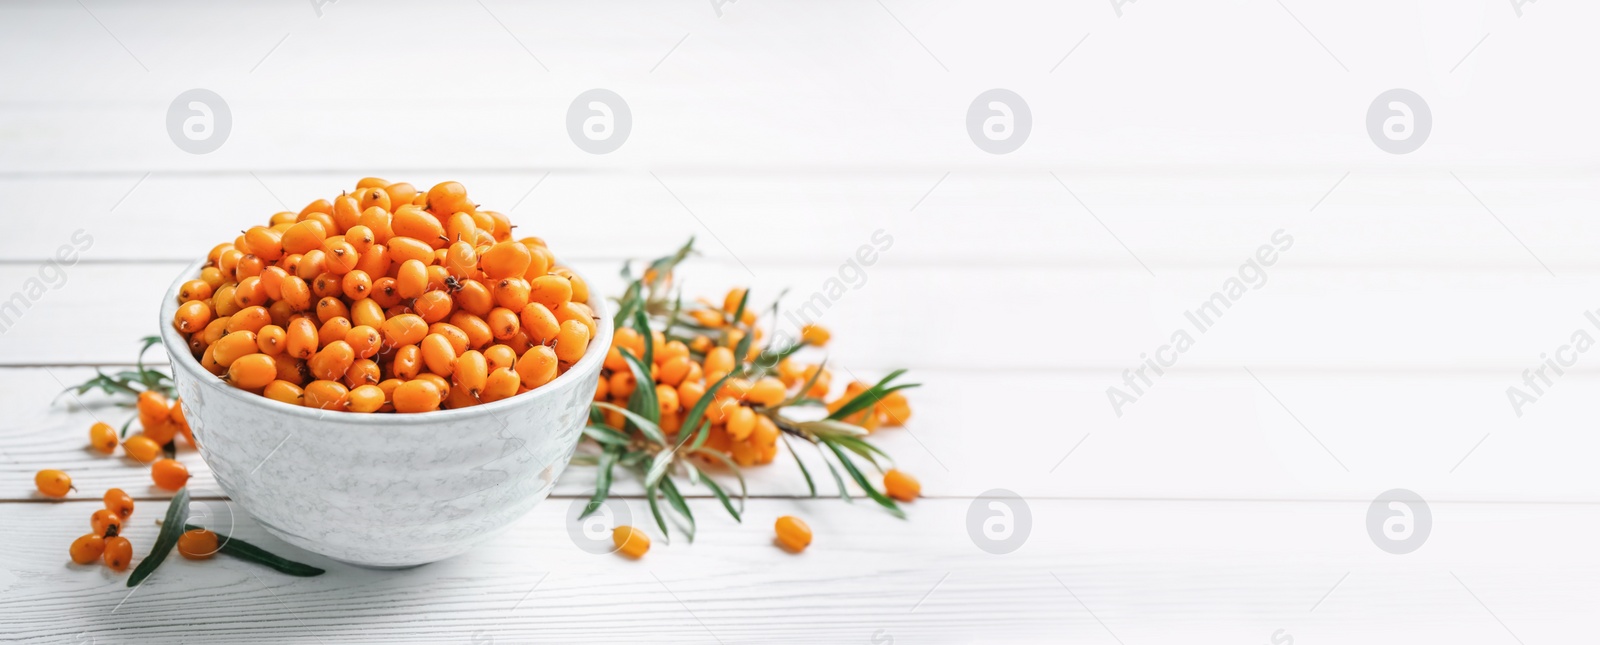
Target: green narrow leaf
x=171, y=528
x=810, y=382
x=701, y=435
x=722, y=496
x=867, y=398
x=126, y=425
x=844, y=493
x=744, y=492
x=649, y=428
x=674, y=498
x=811, y=485
x=738, y=314
x=251, y=553
x=641, y=324
x=605, y=436
x=643, y=401
x=672, y=319
x=655, y=510
x=602, y=482
x=861, y=480
x=699, y=409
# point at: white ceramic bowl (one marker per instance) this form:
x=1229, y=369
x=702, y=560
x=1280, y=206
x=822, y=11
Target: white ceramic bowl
x=384, y=490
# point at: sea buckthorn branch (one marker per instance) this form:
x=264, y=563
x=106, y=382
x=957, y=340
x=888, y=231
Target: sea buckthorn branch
x=676, y=430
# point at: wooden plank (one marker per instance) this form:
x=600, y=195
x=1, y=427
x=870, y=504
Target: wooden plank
x=889, y=85
x=1193, y=436
x=1087, y=572
x=1167, y=219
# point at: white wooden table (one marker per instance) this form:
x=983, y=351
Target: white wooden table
x=1229, y=503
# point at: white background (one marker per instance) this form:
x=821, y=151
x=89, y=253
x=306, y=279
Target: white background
x=1169, y=140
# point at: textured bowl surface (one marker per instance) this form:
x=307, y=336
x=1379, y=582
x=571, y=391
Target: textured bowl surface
x=384, y=490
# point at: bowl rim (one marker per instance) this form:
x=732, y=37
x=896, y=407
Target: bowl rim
x=180, y=358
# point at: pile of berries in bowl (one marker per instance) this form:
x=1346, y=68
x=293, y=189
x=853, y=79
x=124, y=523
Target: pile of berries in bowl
x=387, y=377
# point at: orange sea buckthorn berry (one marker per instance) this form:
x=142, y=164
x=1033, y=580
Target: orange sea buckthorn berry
x=88, y=548
x=630, y=541
x=375, y=197
x=512, y=293
x=895, y=409
x=505, y=260
x=537, y=366
x=271, y=340
x=459, y=340
x=141, y=448
x=461, y=259
x=401, y=192
x=368, y=312
x=118, y=553
x=471, y=372
x=438, y=355
x=504, y=323
x=194, y=290
x=718, y=361
x=367, y=398
x=119, y=502
x=364, y=340
x=767, y=391
x=730, y=303
x=103, y=520
x=330, y=307
x=474, y=297
x=404, y=329
x=674, y=370
x=197, y=544
x=539, y=323
x=225, y=351
x=502, y=383
x=363, y=371
x=297, y=293
x=571, y=341
x=551, y=291
x=448, y=198
x=103, y=437
x=169, y=474
x=407, y=362
x=412, y=280
x=433, y=306
x=252, y=372
x=251, y=318
x=326, y=395
x=741, y=422
x=438, y=381
x=52, y=483
x=621, y=384
x=667, y=397
x=901, y=486
x=356, y=285
x=581, y=314
x=814, y=334
x=418, y=395
x=153, y=407
x=303, y=237
x=192, y=316
x=499, y=356
x=334, y=328
x=332, y=361
x=689, y=393
x=285, y=392
x=301, y=338
x=417, y=224
x=404, y=249
x=793, y=533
